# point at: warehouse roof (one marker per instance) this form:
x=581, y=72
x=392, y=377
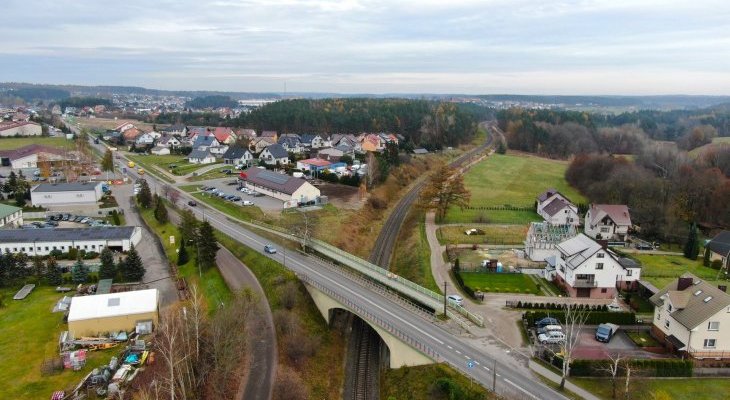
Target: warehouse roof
x=64, y=234
x=65, y=187
x=113, y=304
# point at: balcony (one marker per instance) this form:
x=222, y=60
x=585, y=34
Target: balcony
x=584, y=283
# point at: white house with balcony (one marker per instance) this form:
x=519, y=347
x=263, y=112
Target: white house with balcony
x=608, y=222
x=556, y=209
x=692, y=317
x=584, y=268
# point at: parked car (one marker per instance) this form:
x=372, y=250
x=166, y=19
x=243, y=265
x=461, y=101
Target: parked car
x=236, y=198
x=644, y=246
x=226, y=171
x=456, y=299
x=270, y=249
x=85, y=220
x=546, y=321
x=613, y=307
x=192, y=203
x=551, y=337
x=66, y=217
x=605, y=332
x=549, y=328
x=247, y=203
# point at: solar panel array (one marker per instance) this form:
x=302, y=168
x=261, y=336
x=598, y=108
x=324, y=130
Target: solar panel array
x=279, y=179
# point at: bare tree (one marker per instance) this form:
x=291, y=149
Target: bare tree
x=166, y=190
x=304, y=229
x=573, y=322
x=612, y=368
x=174, y=197
x=628, y=367
x=289, y=385
x=168, y=344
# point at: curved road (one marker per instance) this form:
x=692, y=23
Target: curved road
x=476, y=363
x=384, y=244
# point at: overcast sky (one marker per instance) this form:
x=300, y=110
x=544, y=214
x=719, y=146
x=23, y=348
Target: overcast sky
x=381, y=46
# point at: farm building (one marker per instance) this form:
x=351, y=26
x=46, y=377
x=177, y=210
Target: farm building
x=42, y=242
x=58, y=194
x=125, y=311
x=292, y=191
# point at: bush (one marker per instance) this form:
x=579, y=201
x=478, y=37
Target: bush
x=90, y=255
x=594, y=317
x=643, y=367
x=716, y=264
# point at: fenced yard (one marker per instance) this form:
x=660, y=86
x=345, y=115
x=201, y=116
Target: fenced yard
x=504, y=187
x=661, y=269
x=493, y=234
x=500, y=282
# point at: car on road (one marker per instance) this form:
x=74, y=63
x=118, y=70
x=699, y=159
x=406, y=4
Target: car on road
x=456, y=299
x=247, y=203
x=269, y=249
x=192, y=203
x=551, y=337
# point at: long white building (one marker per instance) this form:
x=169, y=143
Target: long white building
x=290, y=190
x=43, y=241
x=59, y=194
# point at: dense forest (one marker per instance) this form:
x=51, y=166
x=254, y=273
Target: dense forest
x=423, y=123
x=84, y=102
x=216, y=101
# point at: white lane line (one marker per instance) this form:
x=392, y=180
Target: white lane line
x=487, y=368
x=458, y=352
x=467, y=357
x=519, y=388
x=498, y=375
x=476, y=362
x=450, y=348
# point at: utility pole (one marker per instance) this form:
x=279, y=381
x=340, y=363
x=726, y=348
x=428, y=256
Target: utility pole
x=445, y=284
x=494, y=376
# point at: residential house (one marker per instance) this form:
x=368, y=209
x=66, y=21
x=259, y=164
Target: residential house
x=290, y=190
x=608, y=221
x=224, y=135
x=543, y=238
x=197, y=131
x=160, y=151
x=205, y=142
x=557, y=209
x=169, y=141
x=21, y=128
x=719, y=248
x=237, y=155
x=273, y=135
x=219, y=150
x=313, y=141
x=198, y=156
x=124, y=126
x=313, y=164
x=259, y=144
x=10, y=216
x=371, y=143
x=692, y=317
x=291, y=142
x=176, y=130
x=248, y=134
x=145, y=139
x=584, y=268
x=330, y=154
x=274, y=154
x=388, y=138
x=131, y=135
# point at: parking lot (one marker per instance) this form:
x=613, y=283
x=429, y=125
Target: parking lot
x=588, y=348
x=60, y=220
x=230, y=186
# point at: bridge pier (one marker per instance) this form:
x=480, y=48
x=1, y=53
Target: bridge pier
x=401, y=354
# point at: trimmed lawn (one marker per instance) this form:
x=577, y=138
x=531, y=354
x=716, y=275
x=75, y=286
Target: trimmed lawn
x=190, y=188
x=662, y=269
x=493, y=234
x=214, y=173
x=14, y=143
x=150, y=167
x=245, y=213
x=676, y=388
x=500, y=283
x=515, y=180
x=28, y=335
x=643, y=339
x=420, y=383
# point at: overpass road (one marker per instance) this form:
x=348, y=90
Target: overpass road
x=511, y=381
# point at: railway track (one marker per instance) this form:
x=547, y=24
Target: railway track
x=367, y=363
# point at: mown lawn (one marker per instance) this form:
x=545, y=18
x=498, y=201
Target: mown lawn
x=210, y=281
x=662, y=269
x=164, y=163
x=514, y=180
x=29, y=334
x=676, y=389
x=150, y=167
x=214, y=173
x=245, y=213
x=493, y=234
x=14, y=143
x=499, y=282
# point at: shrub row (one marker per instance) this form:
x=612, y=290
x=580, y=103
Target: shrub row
x=594, y=317
x=73, y=254
x=659, y=367
x=557, y=306
x=460, y=282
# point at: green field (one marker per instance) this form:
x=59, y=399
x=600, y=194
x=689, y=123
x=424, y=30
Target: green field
x=182, y=166
x=420, y=383
x=28, y=335
x=412, y=255
x=214, y=173
x=662, y=269
x=513, y=180
x=676, y=388
x=501, y=283
x=493, y=234
x=245, y=213
x=14, y=143
x=148, y=163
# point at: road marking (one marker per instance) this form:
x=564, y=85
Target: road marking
x=467, y=357
x=519, y=388
x=450, y=348
x=487, y=368
x=458, y=352
x=476, y=362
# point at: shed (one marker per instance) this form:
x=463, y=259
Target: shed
x=91, y=315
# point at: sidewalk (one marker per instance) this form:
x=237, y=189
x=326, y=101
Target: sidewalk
x=552, y=376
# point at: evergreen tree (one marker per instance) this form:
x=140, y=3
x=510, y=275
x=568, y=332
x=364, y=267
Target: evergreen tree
x=11, y=183
x=160, y=210
x=107, y=163
x=80, y=272
x=39, y=267
x=182, y=254
x=692, y=247
x=53, y=274
x=207, y=245
x=144, y=197
x=706, y=257
x=107, y=270
x=501, y=147
x=188, y=225
x=133, y=268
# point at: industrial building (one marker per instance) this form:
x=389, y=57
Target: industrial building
x=292, y=191
x=43, y=241
x=125, y=311
x=61, y=194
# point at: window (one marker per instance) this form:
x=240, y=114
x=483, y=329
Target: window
x=604, y=230
x=599, y=266
x=600, y=255
x=604, y=290
x=713, y=326
x=666, y=324
x=54, y=248
x=709, y=343
x=658, y=315
x=669, y=307
x=629, y=272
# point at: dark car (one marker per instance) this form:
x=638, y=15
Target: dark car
x=226, y=171
x=644, y=246
x=192, y=203
x=236, y=198
x=66, y=217
x=545, y=322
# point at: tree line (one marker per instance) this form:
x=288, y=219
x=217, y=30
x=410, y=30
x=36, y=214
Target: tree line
x=215, y=101
x=84, y=102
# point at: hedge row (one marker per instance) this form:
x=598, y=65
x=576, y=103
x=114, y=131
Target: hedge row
x=459, y=281
x=660, y=367
x=594, y=317
x=557, y=306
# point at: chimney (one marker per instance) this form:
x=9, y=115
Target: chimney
x=722, y=287
x=603, y=243
x=684, y=283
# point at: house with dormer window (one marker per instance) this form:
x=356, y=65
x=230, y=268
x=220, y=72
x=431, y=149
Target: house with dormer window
x=608, y=222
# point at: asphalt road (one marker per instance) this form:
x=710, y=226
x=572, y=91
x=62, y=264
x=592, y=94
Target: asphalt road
x=473, y=362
